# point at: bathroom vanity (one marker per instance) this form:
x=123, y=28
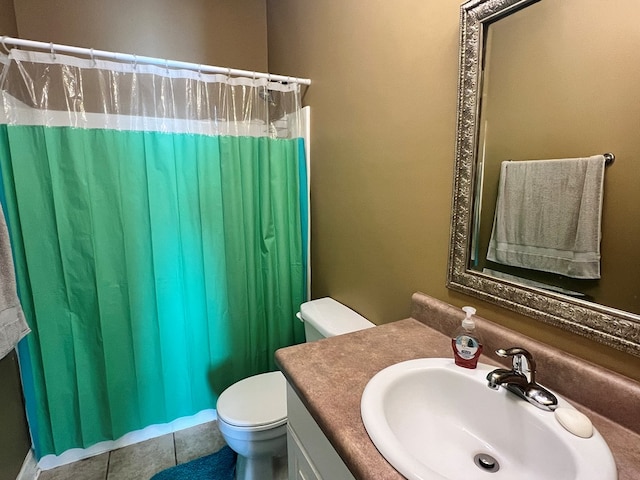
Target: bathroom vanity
x=326, y=380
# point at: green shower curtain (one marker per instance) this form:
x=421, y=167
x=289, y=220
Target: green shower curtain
x=155, y=268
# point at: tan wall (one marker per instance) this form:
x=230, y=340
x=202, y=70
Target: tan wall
x=383, y=103
x=561, y=84
x=14, y=433
x=227, y=33
x=8, y=25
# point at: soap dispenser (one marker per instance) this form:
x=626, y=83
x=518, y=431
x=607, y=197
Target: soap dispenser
x=466, y=342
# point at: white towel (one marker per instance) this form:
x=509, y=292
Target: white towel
x=532, y=283
x=548, y=216
x=13, y=326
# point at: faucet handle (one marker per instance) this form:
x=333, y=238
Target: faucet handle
x=522, y=361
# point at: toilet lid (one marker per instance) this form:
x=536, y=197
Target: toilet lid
x=255, y=401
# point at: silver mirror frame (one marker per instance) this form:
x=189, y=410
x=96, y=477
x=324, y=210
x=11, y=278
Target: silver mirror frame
x=615, y=328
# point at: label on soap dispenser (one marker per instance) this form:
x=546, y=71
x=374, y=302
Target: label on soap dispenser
x=466, y=346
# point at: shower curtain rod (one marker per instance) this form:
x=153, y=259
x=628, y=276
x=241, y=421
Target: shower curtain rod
x=126, y=57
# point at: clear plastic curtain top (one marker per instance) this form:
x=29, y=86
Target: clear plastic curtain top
x=59, y=90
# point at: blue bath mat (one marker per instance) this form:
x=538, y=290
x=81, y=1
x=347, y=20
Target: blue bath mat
x=217, y=466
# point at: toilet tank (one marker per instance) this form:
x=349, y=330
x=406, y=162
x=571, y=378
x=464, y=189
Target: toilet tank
x=325, y=317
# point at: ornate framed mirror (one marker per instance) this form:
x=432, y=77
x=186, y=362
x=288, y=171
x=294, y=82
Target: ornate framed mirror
x=485, y=23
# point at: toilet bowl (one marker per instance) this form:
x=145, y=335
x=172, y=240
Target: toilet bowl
x=252, y=413
x=252, y=417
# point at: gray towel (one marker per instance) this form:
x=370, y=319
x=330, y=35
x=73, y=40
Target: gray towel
x=548, y=216
x=13, y=326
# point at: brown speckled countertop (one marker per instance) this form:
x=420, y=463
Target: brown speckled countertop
x=330, y=375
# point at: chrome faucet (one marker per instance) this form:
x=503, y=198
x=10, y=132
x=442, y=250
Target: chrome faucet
x=521, y=379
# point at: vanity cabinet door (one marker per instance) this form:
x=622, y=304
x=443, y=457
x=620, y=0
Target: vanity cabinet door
x=300, y=467
x=311, y=455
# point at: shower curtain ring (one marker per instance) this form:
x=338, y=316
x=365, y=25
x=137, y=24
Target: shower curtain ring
x=93, y=58
x=53, y=53
x=4, y=45
x=135, y=62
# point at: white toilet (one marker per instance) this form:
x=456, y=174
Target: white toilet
x=252, y=413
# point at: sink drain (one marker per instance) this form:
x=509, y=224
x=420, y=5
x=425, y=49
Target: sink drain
x=486, y=462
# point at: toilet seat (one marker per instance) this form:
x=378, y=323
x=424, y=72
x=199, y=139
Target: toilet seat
x=255, y=403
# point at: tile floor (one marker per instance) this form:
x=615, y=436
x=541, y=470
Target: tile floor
x=142, y=460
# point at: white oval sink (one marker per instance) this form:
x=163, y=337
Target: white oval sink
x=430, y=419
